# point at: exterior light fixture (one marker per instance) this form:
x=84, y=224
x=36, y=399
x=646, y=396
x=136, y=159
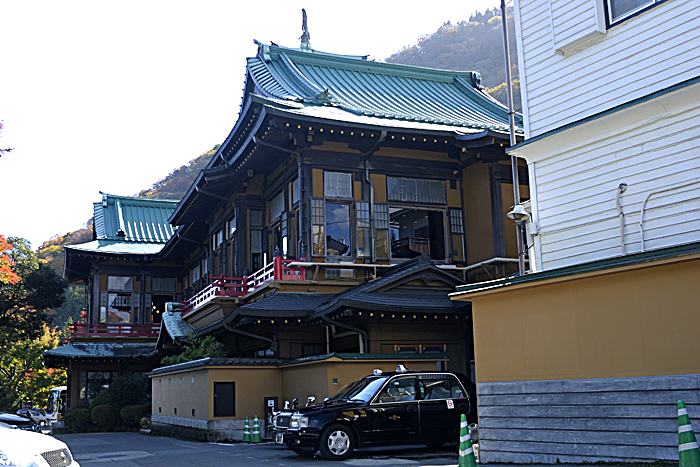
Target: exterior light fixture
x=519, y=215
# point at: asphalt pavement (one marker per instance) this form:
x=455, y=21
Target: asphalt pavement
x=136, y=449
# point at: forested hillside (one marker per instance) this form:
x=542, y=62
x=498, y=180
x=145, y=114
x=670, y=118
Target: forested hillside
x=176, y=184
x=474, y=45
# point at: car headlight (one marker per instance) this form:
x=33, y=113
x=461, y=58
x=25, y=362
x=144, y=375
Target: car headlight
x=299, y=421
x=16, y=460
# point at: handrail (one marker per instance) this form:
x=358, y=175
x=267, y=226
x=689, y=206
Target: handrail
x=114, y=330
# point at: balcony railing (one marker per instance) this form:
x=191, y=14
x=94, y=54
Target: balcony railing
x=111, y=330
x=278, y=269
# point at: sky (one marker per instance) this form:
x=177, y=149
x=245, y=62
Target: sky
x=113, y=96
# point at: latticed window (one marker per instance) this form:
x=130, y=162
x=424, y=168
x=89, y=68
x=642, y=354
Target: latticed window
x=318, y=226
x=364, y=237
x=416, y=190
x=337, y=185
x=381, y=229
x=456, y=221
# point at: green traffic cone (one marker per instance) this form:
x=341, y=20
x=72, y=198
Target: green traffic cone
x=688, y=453
x=466, y=452
x=246, y=431
x=256, y=431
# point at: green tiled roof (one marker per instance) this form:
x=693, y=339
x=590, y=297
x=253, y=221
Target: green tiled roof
x=117, y=247
x=363, y=88
x=139, y=219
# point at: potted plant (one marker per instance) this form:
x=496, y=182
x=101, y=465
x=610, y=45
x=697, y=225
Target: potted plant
x=146, y=423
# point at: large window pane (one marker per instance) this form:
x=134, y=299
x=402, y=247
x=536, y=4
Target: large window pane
x=119, y=308
x=621, y=8
x=337, y=185
x=364, y=239
x=415, y=232
x=124, y=283
x=338, y=229
x=416, y=190
x=276, y=206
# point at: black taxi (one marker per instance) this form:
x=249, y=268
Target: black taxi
x=405, y=407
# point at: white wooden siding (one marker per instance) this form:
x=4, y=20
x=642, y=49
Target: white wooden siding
x=574, y=23
x=652, y=147
x=645, y=54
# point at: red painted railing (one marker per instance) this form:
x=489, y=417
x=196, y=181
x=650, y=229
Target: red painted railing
x=111, y=330
x=222, y=286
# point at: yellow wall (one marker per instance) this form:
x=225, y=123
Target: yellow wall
x=317, y=183
x=636, y=322
x=477, y=206
x=252, y=386
x=179, y=391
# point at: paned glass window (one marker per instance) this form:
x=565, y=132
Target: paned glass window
x=124, y=283
x=456, y=221
x=364, y=238
x=256, y=219
x=618, y=10
x=163, y=284
x=337, y=185
x=338, y=229
x=217, y=239
x=296, y=194
x=381, y=229
x=194, y=274
x=318, y=226
x=94, y=382
x=416, y=190
x=231, y=227
x=276, y=206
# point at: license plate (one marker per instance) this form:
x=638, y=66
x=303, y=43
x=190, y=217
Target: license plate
x=279, y=438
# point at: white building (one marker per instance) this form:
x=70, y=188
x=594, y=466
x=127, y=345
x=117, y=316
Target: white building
x=585, y=357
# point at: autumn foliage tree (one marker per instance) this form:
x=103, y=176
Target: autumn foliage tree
x=28, y=289
x=7, y=275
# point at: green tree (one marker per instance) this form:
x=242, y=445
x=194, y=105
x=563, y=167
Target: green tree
x=71, y=310
x=24, y=334
x=196, y=348
x=23, y=376
x=23, y=304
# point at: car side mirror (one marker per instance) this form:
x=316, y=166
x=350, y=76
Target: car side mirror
x=326, y=401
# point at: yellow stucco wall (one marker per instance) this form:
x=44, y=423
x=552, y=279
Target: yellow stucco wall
x=478, y=226
x=182, y=391
x=641, y=321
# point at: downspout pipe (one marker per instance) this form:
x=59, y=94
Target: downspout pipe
x=511, y=124
x=365, y=336
x=621, y=189
x=368, y=155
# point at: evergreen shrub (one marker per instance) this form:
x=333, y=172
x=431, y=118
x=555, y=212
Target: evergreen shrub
x=131, y=415
x=78, y=421
x=105, y=417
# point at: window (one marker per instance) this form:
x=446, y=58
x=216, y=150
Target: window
x=296, y=193
x=337, y=185
x=310, y=350
x=94, y=382
x=364, y=237
x=121, y=283
x=440, y=387
x=163, y=284
x=318, y=227
x=618, y=10
x=338, y=230
x=415, y=232
x=118, y=304
x=456, y=222
x=256, y=246
x=381, y=229
x=194, y=274
x=399, y=390
x=416, y=190
x=231, y=227
x=276, y=207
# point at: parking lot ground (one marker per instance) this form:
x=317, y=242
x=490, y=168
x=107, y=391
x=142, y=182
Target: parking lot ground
x=135, y=449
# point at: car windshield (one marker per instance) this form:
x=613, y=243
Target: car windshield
x=362, y=390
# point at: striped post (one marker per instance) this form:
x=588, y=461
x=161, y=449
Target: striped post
x=466, y=452
x=688, y=453
x=256, y=431
x=246, y=431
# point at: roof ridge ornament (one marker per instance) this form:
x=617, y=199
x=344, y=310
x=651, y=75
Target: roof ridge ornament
x=305, y=36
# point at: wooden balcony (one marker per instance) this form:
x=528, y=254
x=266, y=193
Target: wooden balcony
x=114, y=331
x=278, y=269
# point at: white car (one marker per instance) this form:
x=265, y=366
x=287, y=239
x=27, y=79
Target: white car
x=29, y=449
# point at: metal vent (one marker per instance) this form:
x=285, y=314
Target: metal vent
x=58, y=458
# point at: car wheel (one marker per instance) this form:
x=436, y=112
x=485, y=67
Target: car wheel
x=304, y=452
x=337, y=442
